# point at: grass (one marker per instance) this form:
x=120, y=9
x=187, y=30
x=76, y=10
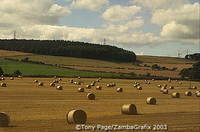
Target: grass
x=29, y=69
x=43, y=109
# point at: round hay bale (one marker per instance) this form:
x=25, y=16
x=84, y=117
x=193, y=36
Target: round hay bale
x=55, y=77
x=3, y=78
x=71, y=81
x=88, y=86
x=4, y=119
x=59, y=79
x=159, y=86
x=113, y=84
x=135, y=85
x=165, y=86
x=35, y=81
x=77, y=83
x=151, y=100
x=98, y=88
x=91, y=96
x=81, y=89
x=76, y=117
x=188, y=93
x=12, y=78
x=175, y=95
x=139, y=88
x=3, y=85
x=92, y=84
x=194, y=87
x=52, y=85
x=79, y=77
x=40, y=84
x=171, y=87
x=198, y=94
x=55, y=81
x=59, y=88
x=108, y=85
x=129, y=109
x=119, y=89
x=180, y=83
x=97, y=80
x=165, y=91
x=20, y=76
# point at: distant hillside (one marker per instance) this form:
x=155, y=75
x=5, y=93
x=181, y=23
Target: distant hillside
x=95, y=65
x=69, y=49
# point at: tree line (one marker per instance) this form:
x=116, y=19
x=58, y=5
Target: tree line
x=69, y=49
x=195, y=56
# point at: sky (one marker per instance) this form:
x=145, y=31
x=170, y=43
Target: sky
x=146, y=27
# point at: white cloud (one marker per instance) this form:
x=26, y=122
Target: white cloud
x=125, y=27
x=179, y=24
x=160, y=4
x=119, y=13
x=89, y=4
x=174, y=30
x=94, y=35
x=26, y=12
x=187, y=12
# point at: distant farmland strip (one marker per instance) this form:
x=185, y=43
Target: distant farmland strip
x=28, y=69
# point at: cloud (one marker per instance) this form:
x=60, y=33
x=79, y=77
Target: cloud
x=181, y=23
x=119, y=13
x=185, y=13
x=179, y=31
x=93, y=35
x=160, y=4
x=133, y=24
x=89, y=4
x=26, y=12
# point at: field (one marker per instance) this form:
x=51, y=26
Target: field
x=98, y=65
x=42, y=109
x=6, y=53
x=29, y=69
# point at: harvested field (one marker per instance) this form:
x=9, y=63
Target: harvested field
x=12, y=53
x=43, y=109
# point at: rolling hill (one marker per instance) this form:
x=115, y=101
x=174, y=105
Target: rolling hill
x=82, y=64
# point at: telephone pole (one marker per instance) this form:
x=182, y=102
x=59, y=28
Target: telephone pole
x=14, y=35
x=104, y=41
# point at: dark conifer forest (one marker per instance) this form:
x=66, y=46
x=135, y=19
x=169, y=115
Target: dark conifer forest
x=69, y=49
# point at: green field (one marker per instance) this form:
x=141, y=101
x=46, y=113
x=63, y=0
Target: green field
x=29, y=69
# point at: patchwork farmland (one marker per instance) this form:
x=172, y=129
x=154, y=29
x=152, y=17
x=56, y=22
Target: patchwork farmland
x=38, y=104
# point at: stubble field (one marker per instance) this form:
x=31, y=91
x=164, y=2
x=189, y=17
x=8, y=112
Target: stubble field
x=43, y=109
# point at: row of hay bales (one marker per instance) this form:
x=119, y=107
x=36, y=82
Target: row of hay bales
x=164, y=90
x=80, y=116
x=52, y=84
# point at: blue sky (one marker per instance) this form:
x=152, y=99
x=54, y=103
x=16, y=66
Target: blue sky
x=149, y=27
